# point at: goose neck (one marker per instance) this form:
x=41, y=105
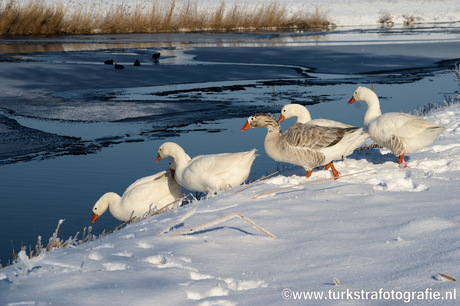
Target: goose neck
x=181, y=158
x=113, y=202
x=303, y=116
x=272, y=138
x=373, y=110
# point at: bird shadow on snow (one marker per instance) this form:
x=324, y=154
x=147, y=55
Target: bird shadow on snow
x=372, y=155
x=291, y=170
x=375, y=156
x=177, y=226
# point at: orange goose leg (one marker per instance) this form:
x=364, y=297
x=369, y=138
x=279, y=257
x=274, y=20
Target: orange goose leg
x=334, y=171
x=402, y=162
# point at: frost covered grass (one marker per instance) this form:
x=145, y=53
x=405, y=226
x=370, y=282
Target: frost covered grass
x=54, y=242
x=448, y=101
x=456, y=72
x=433, y=107
x=46, y=17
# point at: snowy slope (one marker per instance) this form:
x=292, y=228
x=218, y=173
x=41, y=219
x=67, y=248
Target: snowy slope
x=385, y=230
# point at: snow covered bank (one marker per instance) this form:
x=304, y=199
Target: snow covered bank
x=347, y=12
x=382, y=230
x=135, y=16
x=389, y=12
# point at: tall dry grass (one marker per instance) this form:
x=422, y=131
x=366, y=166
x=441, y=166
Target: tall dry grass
x=33, y=17
x=45, y=17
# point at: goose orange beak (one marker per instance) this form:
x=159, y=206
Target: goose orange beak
x=352, y=100
x=281, y=118
x=94, y=218
x=246, y=127
x=158, y=158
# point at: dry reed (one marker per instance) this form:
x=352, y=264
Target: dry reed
x=447, y=277
x=33, y=17
x=45, y=17
x=249, y=185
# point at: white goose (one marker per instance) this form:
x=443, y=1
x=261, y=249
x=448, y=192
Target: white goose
x=208, y=173
x=303, y=116
x=399, y=132
x=155, y=191
x=305, y=145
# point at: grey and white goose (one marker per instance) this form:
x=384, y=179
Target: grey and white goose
x=305, y=145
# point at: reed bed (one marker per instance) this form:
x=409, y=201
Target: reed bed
x=40, y=17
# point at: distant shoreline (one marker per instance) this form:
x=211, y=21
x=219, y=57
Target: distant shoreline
x=34, y=17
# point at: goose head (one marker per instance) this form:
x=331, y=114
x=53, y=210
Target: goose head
x=101, y=206
x=295, y=110
x=373, y=105
x=363, y=94
x=169, y=149
x=261, y=120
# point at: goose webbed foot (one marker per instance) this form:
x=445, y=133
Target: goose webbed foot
x=402, y=162
x=334, y=171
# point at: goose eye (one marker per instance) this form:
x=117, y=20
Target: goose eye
x=356, y=92
x=95, y=208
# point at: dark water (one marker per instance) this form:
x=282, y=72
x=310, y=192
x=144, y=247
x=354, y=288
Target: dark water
x=320, y=71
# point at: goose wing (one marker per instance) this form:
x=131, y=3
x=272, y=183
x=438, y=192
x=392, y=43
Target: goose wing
x=147, y=193
x=218, y=164
x=147, y=179
x=314, y=137
x=329, y=123
x=414, y=127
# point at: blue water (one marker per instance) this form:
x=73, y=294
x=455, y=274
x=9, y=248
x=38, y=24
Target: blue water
x=38, y=193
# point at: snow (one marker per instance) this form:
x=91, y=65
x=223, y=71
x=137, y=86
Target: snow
x=365, y=12
x=386, y=228
x=390, y=228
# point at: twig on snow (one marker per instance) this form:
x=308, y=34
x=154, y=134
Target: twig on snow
x=83, y=263
x=249, y=185
x=447, y=277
